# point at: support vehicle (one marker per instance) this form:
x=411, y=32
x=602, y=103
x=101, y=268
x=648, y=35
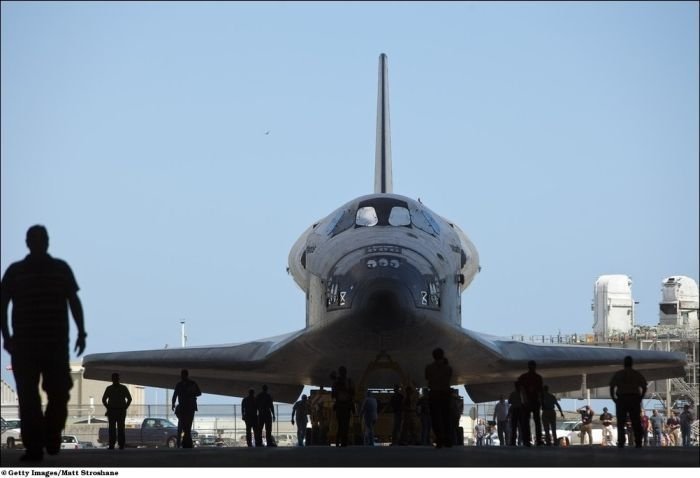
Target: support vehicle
x=153, y=432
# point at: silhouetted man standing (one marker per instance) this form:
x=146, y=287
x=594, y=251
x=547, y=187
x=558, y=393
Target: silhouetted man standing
x=397, y=399
x=249, y=412
x=116, y=400
x=515, y=416
x=186, y=391
x=532, y=388
x=500, y=416
x=627, y=388
x=266, y=415
x=41, y=290
x=549, y=416
x=439, y=374
x=300, y=412
x=343, y=393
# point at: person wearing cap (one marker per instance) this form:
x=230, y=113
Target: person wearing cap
x=607, y=419
x=587, y=415
x=627, y=388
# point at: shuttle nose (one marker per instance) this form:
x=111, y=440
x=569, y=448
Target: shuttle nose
x=382, y=285
x=381, y=305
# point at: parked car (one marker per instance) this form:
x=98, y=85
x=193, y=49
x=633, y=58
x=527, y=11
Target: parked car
x=206, y=439
x=10, y=424
x=11, y=434
x=286, y=439
x=70, y=442
x=569, y=433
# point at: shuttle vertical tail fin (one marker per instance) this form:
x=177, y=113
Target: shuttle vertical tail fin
x=382, y=161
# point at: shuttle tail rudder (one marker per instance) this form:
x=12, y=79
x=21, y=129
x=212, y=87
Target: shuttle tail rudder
x=382, y=165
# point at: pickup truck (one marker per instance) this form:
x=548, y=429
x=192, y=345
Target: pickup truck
x=153, y=432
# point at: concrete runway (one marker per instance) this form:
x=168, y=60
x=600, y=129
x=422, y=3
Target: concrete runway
x=371, y=457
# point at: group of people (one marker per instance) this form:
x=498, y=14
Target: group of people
x=437, y=409
x=258, y=413
x=116, y=400
x=415, y=416
x=531, y=400
x=672, y=431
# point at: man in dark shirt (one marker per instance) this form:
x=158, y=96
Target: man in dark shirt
x=532, y=388
x=549, y=416
x=186, y=393
x=343, y=392
x=249, y=412
x=116, y=400
x=627, y=388
x=515, y=416
x=686, y=418
x=439, y=377
x=607, y=419
x=266, y=415
x=41, y=290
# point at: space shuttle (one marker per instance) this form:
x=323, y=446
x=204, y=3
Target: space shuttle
x=383, y=276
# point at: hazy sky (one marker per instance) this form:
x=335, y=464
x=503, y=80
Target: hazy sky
x=562, y=138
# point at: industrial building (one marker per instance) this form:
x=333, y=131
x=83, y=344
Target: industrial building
x=614, y=325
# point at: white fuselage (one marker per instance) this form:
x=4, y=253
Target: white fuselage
x=387, y=261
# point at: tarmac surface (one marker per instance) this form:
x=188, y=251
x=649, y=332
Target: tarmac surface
x=357, y=456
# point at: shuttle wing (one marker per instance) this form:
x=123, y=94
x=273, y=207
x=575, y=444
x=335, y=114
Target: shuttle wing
x=223, y=369
x=486, y=365
x=489, y=366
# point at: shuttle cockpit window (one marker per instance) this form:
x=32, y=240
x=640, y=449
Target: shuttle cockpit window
x=366, y=216
x=342, y=221
x=425, y=222
x=399, y=216
x=383, y=212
